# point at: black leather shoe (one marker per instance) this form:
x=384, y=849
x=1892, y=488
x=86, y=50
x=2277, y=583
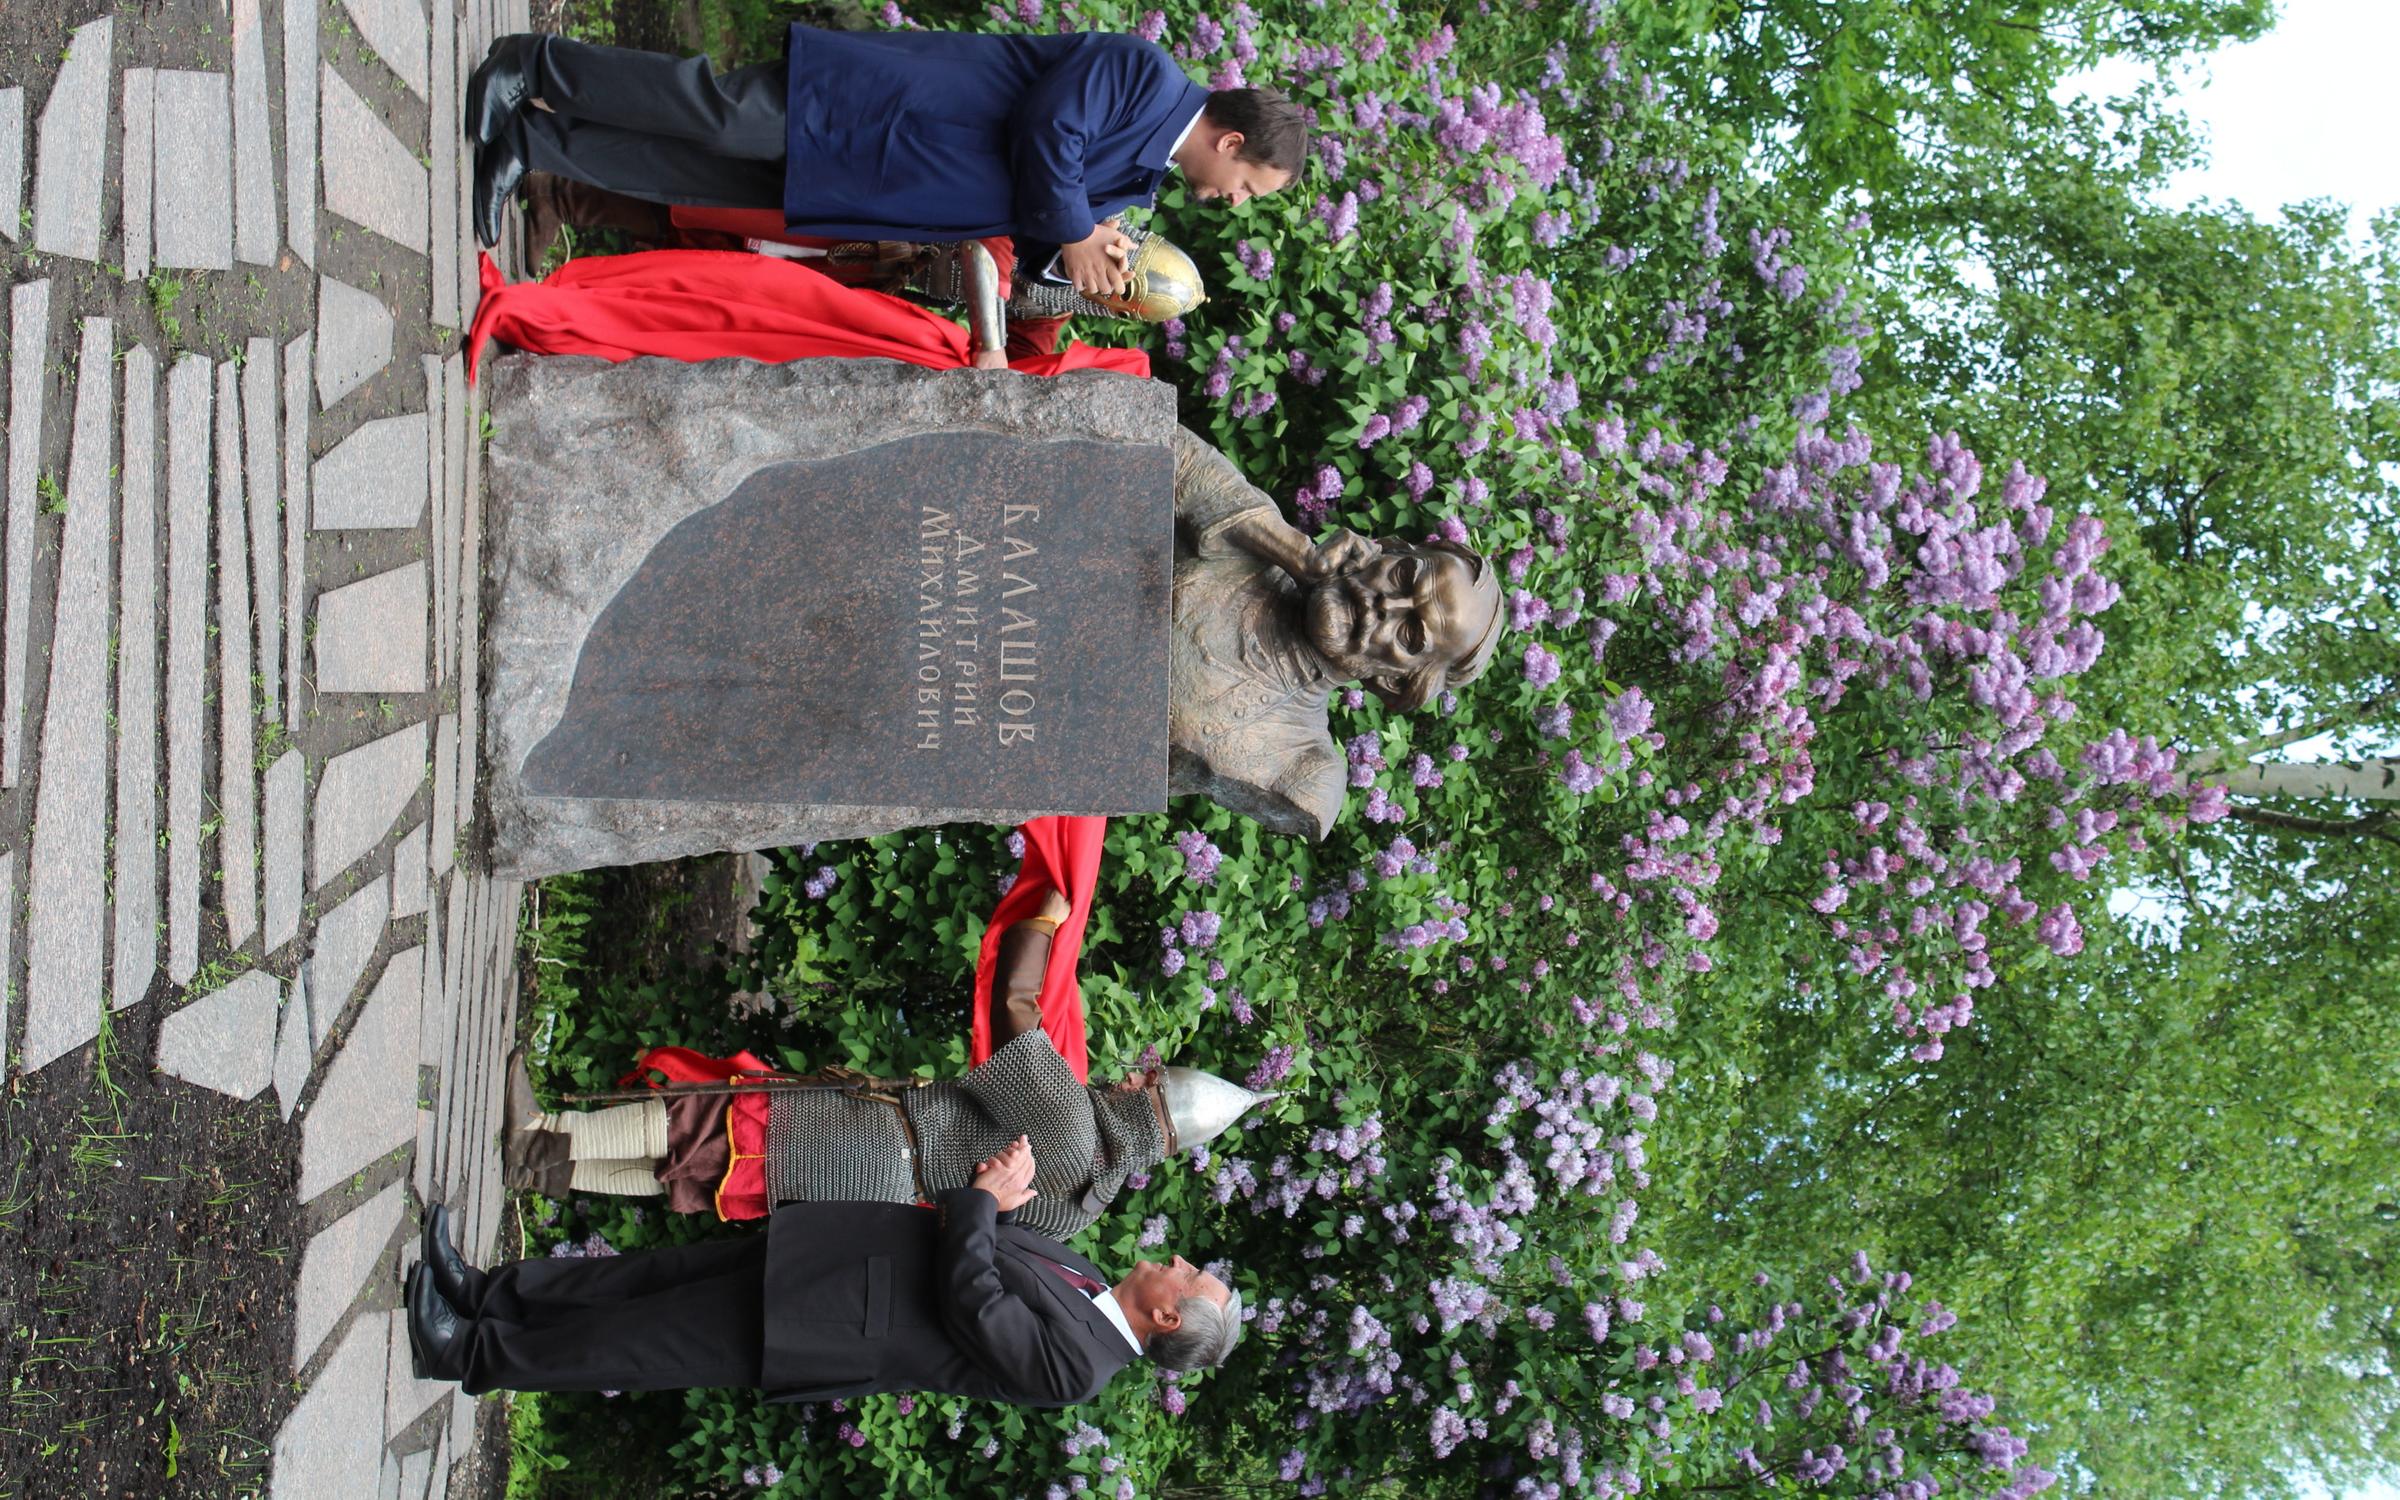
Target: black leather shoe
x=460, y=1284
x=499, y=87
x=498, y=170
x=437, y=1335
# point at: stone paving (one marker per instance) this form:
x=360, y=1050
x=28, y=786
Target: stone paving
x=239, y=635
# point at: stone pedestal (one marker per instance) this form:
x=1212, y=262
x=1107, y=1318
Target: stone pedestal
x=734, y=606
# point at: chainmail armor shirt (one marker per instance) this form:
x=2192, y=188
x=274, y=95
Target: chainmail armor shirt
x=837, y=1145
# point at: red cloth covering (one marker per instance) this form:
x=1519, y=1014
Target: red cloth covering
x=1061, y=854
x=743, y=1194
x=696, y=305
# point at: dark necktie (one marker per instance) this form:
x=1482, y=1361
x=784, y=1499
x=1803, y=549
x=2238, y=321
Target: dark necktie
x=1073, y=1277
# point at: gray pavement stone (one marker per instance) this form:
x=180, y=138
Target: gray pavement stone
x=388, y=1488
x=294, y=1050
x=374, y=478
x=456, y=439
x=287, y=816
x=470, y=52
x=444, y=187
x=337, y=1262
x=188, y=404
x=8, y=932
x=65, y=937
x=225, y=1040
x=359, y=796
x=255, y=228
x=450, y=1037
x=461, y=1436
x=371, y=634
x=442, y=500
x=28, y=348
x=470, y=628
x=438, y=1485
x=237, y=804
x=265, y=455
x=433, y=1027
x=409, y=882
x=297, y=356
x=12, y=160
x=72, y=157
x=374, y=1075
x=300, y=130
x=396, y=30
x=192, y=180
x=415, y=1466
x=371, y=178
x=406, y=1398
x=133, y=844
x=445, y=792
x=133, y=169
x=345, y=940
x=354, y=338
x=324, y=1448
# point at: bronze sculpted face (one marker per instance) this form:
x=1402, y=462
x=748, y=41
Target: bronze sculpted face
x=1411, y=620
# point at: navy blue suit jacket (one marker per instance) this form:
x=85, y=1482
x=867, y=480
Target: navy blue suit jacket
x=945, y=135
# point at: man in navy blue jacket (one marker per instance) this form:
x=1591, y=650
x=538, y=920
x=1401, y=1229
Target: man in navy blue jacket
x=909, y=135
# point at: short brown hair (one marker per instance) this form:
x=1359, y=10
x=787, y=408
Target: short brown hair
x=1274, y=131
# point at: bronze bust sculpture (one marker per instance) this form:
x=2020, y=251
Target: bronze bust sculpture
x=1269, y=625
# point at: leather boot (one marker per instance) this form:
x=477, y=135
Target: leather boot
x=521, y=1110
x=538, y=1161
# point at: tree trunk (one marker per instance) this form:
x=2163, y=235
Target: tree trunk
x=2373, y=779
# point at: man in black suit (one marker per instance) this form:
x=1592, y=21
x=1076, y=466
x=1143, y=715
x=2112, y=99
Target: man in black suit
x=834, y=1300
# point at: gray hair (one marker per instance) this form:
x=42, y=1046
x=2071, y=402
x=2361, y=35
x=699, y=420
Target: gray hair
x=1206, y=1336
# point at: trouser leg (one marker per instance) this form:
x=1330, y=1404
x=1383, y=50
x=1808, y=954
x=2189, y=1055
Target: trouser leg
x=660, y=168
x=632, y=1177
x=527, y=1291
x=738, y=114
x=678, y=1323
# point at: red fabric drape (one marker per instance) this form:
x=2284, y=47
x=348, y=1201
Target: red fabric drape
x=743, y=1194
x=698, y=305
x=1061, y=854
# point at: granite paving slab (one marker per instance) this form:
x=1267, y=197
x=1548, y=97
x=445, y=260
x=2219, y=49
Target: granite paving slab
x=445, y=792
x=388, y=1487
x=371, y=634
x=255, y=230
x=287, y=813
x=452, y=1038
x=237, y=806
x=406, y=1398
x=225, y=1040
x=469, y=282
x=28, y=344
x=444, y=186
x=375, y=1076
x=192, y=181
x=371, y=178
x=434, y=1023
x=8, y=932
x=12, y=160
x=65, y=935
x=71, y=159
x=409, y=882
x=300, y=50
x=324, y=1448
x=437, y=462
x=188, y=408
x=374, y=478
x=413, y=1468
x=458, y=438
x=470, y=619
x=360, y=795
x=133, y=846
x=260, y=396
x=438, y=1486
x=297, y=357
x=462, y=1423
x=345, y=940
x=396, y=29
x=354, y=338
x=133, y=170
x=337, y=1262
x=294, y=1050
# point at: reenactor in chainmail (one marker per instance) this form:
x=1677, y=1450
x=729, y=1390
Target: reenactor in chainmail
x=844, y=1137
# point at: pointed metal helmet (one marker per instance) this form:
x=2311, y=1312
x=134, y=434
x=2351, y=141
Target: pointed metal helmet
x=1201, y=1105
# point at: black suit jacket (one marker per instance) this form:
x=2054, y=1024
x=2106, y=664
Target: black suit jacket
x=863, y=1298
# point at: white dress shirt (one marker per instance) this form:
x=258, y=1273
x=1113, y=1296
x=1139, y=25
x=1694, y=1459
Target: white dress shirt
x=1116, y=1314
